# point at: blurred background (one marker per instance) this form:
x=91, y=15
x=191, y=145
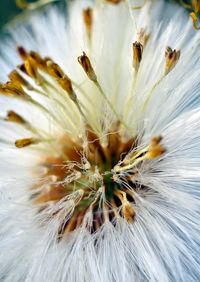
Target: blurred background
x=8, y=9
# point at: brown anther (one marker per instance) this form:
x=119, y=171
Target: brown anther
x=128, y=211
x=171, y=57
x=32, y=61
x=156, y=140
x=22, y=68
x=22, y=4
x=84, y=61
x=54, y=69
x=87, y=18
x=31, y=67
x=22, y=52
x=21, y=143
x=14, y=117
x=155, y=151
x=142, y=37
x=194, y=20
x=114, y=1
x=66, y=84
x=36, y=57
x=3, y=91
x=47, y=59
x=12, y=89
x=196, y=6
x=137, y=54
x=155, y=148
x=64, y=81
x=15, y=77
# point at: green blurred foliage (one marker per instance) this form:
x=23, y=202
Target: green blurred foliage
x=8, y=10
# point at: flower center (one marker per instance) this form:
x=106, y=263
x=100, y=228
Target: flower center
x=91, y=175
x=87, y=170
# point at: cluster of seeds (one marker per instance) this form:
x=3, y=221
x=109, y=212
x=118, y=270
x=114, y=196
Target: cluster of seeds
x=102, y=175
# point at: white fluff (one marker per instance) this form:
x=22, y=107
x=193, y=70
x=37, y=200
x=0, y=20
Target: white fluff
x=163, y=242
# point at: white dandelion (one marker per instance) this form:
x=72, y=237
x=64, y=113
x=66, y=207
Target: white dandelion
x=100, y=144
